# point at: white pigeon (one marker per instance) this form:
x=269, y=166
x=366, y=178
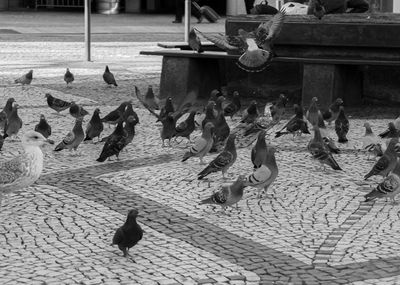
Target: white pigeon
x=23, y=170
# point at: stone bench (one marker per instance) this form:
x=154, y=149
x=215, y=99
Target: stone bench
x=327, y=53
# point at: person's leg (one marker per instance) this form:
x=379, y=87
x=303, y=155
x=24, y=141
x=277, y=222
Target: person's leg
x=249, y=4
x=358, y=6
x=179, y=10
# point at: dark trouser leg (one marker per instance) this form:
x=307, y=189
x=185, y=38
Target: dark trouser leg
x=249, y=4
x=179, y=10
x=358, y=6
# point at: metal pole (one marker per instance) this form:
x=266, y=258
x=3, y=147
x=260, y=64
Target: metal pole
x=87, y=29
x=188, y=13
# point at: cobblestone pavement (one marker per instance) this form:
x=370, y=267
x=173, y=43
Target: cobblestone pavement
x=316, y=229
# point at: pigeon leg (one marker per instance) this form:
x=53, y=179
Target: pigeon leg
x=125, y=251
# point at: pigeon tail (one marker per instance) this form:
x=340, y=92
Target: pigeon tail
x=205, y=172
x=186, y=156
x=207, y=201
x=87, y=138
x=60, y=146
x=254, y=60
x=343, y=140
x=374, y=194
x=101, y=158
x=278, y=134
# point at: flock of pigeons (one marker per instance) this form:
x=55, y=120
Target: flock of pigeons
x=217, y=136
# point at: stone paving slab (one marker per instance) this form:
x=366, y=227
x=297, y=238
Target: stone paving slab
x=315, y=229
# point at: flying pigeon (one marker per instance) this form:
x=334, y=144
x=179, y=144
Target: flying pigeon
x=25, y=79
x=114, y=143
x=74, y=138
x=255, y=47
x=43, y=127
x=227, y=195
x=223, y=161
x=313, y=113
x=342, y=126
x=232, y=107
x=202, y=145
x=129, y=234
x=332, y=113
x=113, y=117
x=320, y=151
x=194, y=41
x=185, y=128
x=68, y=77
x=94, y=127
x=259, y=151
x=388, y=188
x=56, y=104
x=387, y=162
x=266, y=174
x=108, y=77
x=22, y=171
x=14, y=123
x=77, y=111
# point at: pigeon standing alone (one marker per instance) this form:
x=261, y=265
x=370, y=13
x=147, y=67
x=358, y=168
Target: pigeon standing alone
x=94, y=127
x=68, y=77
x=56, y=104
x=43, y=127
x=313, y=113
x=129, y=234
x=223, y=161
x=108, y=77
x=259, y=150
x=114, y=143
x=8, y=107
x=74, y=138
x=342, y=126
x=227, y=195
x=23, y=170
x=25, y=79
x=370, y=141
x=332, y=113
x=150, y=99
x=202, y=145
x=14, y=123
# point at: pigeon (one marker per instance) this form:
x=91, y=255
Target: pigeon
x=168, y=108
x=342, y=126
x=223, y=161
x=250, y=114
x=129, y=128
x=202, y=145
x=43, y=127
x=329, y=143
x=94, y=127
x=129, y=234
x=22, y=171
x=255, y=47
x=210, y=116
x=320, y=151
x=150, y=99
x=194, y=41
x=313, y=112
x=232, y=107
x=218, y=106
x=391, y=132
x=388, y=188
x=214, y=95
x=108, y=77
x=168, y=130
x=3, y=120
x=259, y=151
x=332, y=113
x=370, y=141
x=68, y=77
x=221, y=132
x=296, y=125
x=113, y=117
x=56, y=104
x=266, y=174
x=114, y=143
x=316, y=8
x=130, y=112
x=387, y=162
x=185, y=128
x=14, y=122
x=1, y=141
x=227, y=195
x=74, y=138
x=278, y=109
x=25, y=79
x=77, y=111
x=8, y=107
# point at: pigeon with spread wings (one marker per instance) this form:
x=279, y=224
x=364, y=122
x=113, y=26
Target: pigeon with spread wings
x=255, y=46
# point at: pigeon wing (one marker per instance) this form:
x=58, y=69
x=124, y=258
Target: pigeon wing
x=11, y=170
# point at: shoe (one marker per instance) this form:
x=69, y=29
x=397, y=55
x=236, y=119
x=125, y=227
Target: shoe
x=177, y=21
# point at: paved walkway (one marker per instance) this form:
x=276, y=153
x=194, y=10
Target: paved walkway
x=315, y=230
